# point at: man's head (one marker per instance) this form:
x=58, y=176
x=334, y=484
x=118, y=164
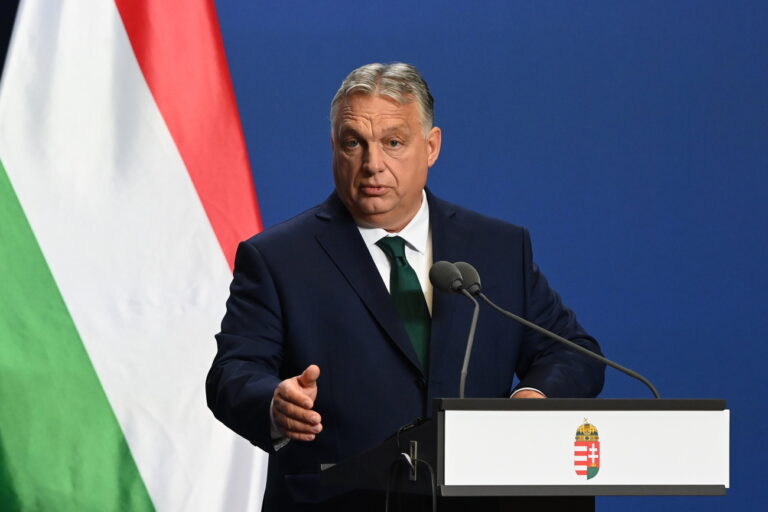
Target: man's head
x=383, y=143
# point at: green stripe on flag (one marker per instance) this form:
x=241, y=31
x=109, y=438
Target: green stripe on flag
x=61, y=447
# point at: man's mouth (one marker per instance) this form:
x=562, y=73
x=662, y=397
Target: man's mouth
x=373, y=190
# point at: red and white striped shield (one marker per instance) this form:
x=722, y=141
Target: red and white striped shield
x=586, y=451
x=586, y=458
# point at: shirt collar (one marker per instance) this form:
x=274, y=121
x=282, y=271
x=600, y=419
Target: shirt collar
x=415, y=233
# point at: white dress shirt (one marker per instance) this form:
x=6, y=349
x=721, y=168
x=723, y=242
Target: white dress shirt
x=418, y=248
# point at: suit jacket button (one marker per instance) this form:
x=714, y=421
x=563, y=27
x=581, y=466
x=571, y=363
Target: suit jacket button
x=421, y=383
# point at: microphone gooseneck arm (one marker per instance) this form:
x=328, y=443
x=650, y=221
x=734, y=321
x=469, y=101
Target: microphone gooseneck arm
x=571, y=344
x=447, y=277
x=470, y=340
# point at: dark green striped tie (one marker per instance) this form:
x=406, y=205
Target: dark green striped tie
x=409, y=299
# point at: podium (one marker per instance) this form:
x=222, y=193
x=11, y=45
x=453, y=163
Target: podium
x=551, y=447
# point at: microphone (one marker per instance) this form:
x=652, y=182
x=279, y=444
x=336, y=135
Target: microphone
x=471, y=278
x=446, y=277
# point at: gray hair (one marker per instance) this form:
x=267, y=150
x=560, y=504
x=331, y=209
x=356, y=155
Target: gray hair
x=399, y=81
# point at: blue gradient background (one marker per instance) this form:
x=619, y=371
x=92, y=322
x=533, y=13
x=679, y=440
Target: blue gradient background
x=630, y=137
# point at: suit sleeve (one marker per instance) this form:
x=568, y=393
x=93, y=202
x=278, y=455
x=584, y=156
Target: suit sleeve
x=546, y=364
x=246, y=369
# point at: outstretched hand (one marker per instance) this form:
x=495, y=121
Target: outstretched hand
x=292, y=405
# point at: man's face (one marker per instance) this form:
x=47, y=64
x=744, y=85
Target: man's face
x=381, y=158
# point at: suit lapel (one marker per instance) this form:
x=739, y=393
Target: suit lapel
x=341, y=240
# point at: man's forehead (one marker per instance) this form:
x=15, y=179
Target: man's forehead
x=375, y=107
x=380, y=122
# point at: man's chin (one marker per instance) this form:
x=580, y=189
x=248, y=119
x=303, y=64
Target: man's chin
x=388, y=220
x=373, y=207
x=372, y=220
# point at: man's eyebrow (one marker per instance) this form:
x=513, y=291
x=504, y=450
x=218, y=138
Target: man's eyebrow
x=346, y=130
x=399, y=127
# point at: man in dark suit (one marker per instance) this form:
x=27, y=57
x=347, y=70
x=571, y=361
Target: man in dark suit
x=343, y=289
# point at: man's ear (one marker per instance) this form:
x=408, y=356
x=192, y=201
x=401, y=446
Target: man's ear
x=434, y=139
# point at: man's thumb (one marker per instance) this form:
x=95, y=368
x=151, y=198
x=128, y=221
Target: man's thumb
x=309, y=376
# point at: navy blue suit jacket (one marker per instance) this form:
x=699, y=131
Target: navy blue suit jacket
x=307, y=292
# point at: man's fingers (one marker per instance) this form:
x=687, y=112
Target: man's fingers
x=300, y=437
x=292, y=406
x=290, y=391
x=291, y=426
x=296, y=412
x=528, y=393
x=309, y=376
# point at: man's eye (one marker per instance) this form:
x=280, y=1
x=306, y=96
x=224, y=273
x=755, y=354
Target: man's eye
x=394, y=143
x=351, y=143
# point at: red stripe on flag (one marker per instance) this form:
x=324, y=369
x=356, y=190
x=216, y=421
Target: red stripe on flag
x=180, y=52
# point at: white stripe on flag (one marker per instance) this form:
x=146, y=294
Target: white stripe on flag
x=129, y=245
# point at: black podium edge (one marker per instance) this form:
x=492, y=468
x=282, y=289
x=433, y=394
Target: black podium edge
x=583, y=490
x=577, y=404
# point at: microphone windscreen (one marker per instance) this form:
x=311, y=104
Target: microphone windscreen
x=445, y=276
x=469, y=276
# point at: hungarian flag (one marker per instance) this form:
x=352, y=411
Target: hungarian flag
x=124, y=188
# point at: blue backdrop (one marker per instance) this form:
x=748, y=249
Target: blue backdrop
x=630, y=137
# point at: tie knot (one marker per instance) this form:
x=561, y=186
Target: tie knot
x=394, y=246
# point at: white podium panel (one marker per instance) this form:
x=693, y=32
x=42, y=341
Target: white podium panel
x=659, y=449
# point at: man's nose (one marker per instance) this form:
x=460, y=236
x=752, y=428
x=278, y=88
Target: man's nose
x=374, y=159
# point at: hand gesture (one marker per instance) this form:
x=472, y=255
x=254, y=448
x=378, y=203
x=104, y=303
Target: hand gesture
x=292, y=405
